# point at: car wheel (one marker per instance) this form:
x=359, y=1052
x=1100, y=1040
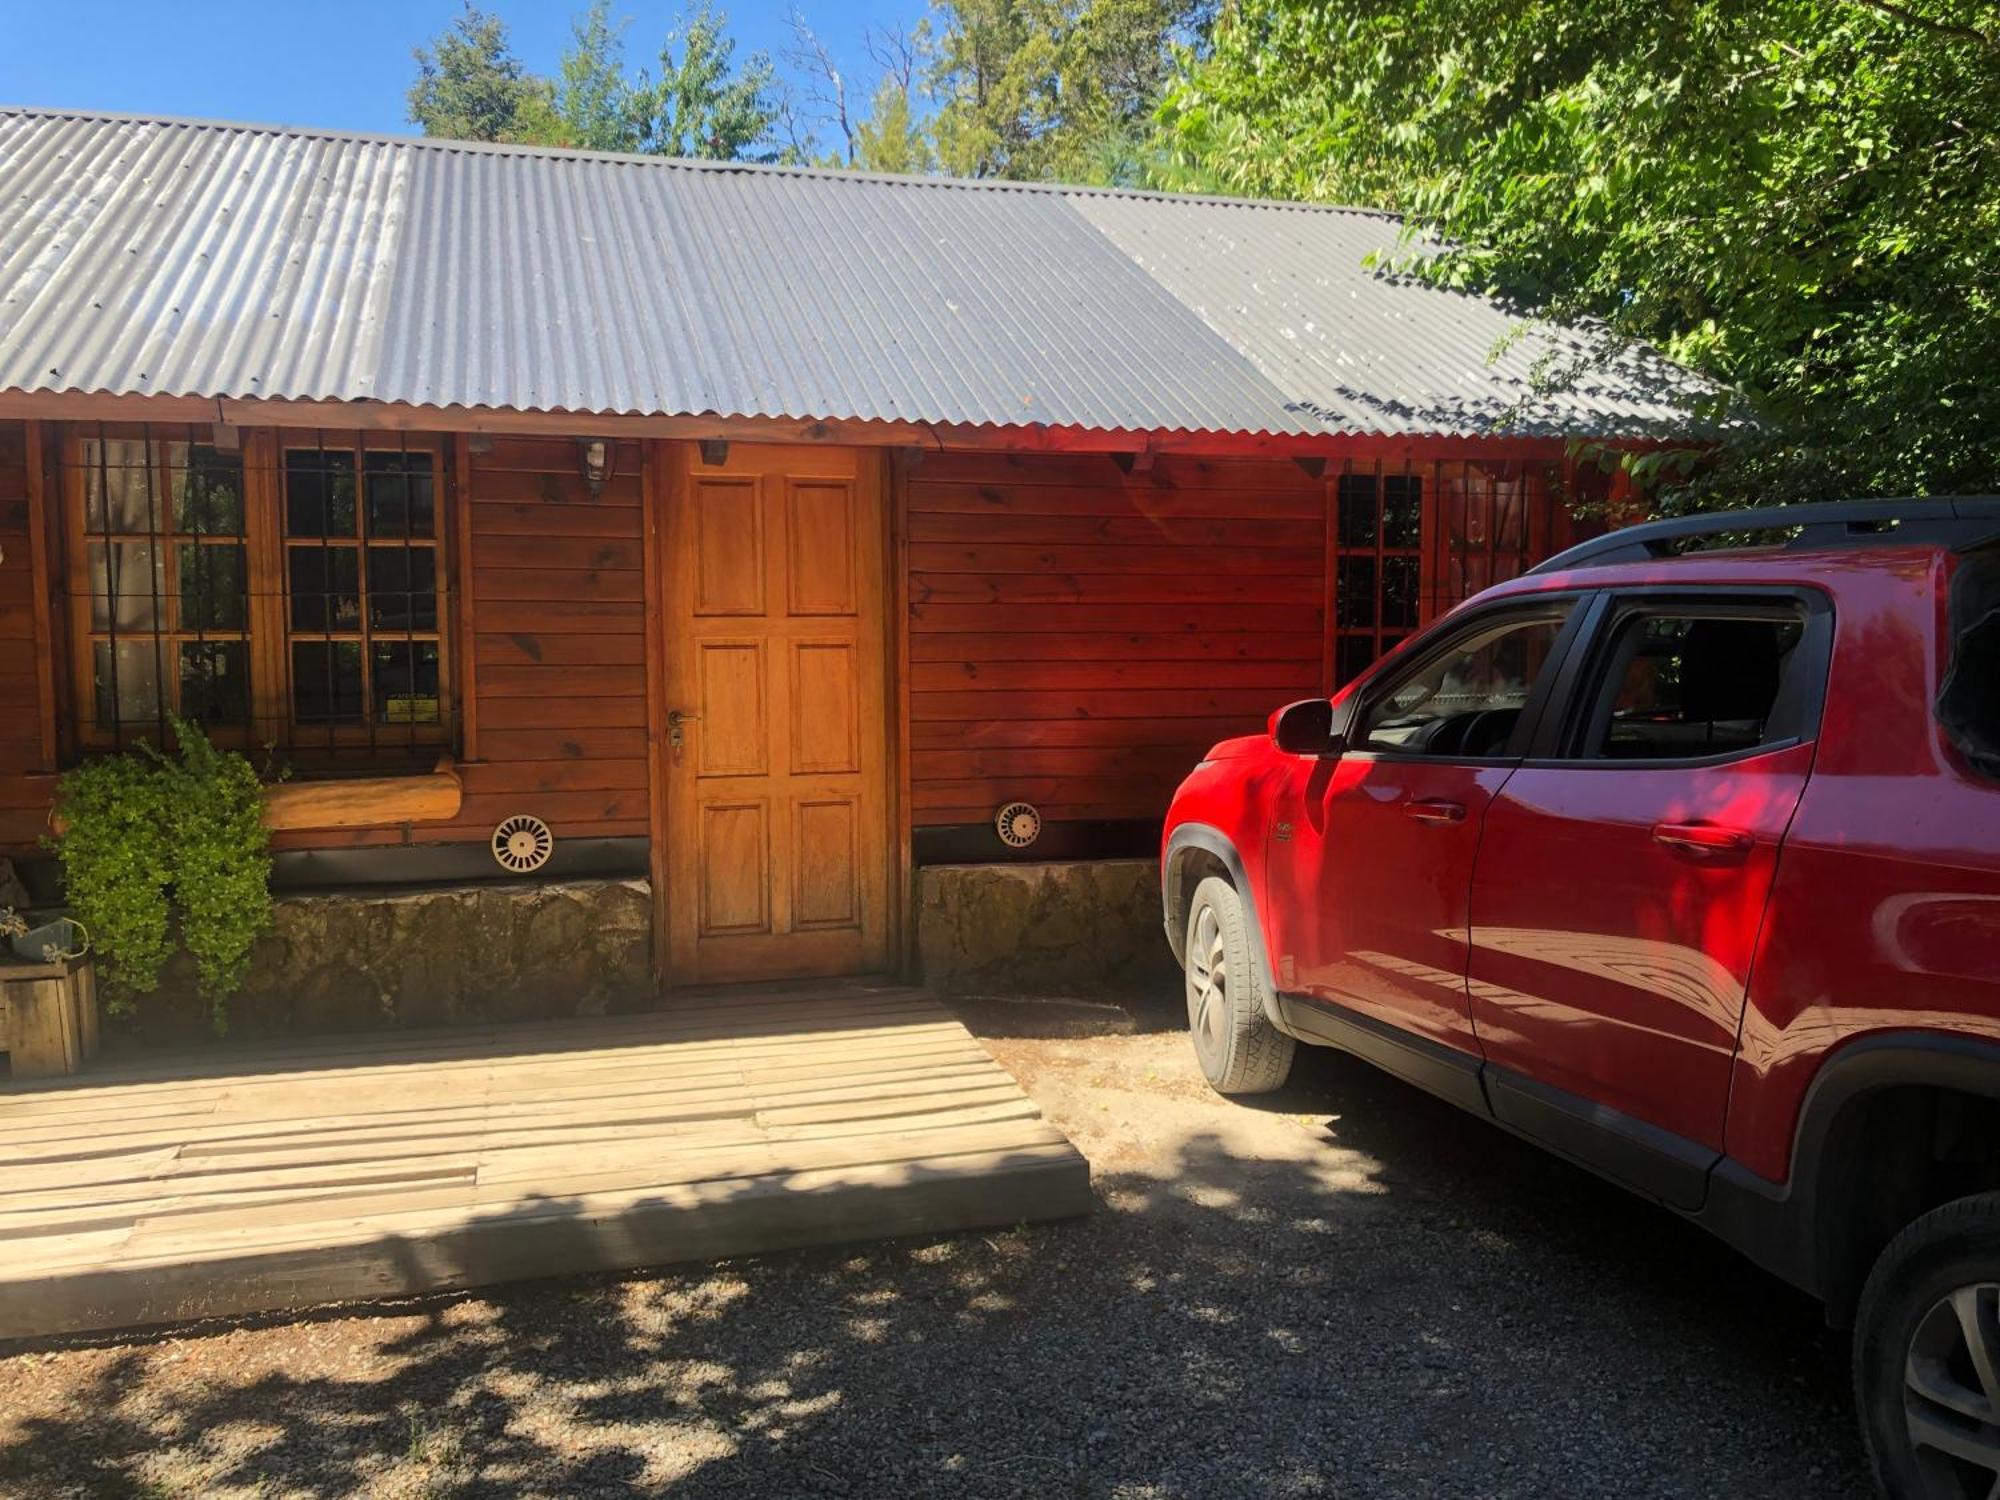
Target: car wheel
x=1927, y=1356
x=1240, y=1051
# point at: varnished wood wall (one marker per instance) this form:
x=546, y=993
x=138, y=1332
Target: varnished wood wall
x=1079, y=634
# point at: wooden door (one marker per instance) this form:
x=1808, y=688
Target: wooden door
x=777, y=819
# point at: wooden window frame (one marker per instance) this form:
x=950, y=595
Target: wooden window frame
x=333, y=738
x=1380, y=635
x=267, y=626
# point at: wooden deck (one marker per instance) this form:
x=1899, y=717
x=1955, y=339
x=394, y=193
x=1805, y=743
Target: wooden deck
x=247, y=1180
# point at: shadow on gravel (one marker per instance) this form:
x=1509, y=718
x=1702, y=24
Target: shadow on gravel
x=1422, y=1307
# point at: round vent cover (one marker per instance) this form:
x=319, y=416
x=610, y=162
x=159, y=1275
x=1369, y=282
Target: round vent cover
x=1018, y=824
x=523, y=843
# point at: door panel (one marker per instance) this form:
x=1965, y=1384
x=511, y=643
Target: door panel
x=1371, y=862
x=1609, y=957
x=777, y=842
x=1622, y=881
x=1379, y=892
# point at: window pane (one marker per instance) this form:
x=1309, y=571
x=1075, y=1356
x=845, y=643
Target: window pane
x=402, y=588
x=1354, y=603
x=405, y=682
x=127, y=584
x=120, y=492
x=326, y=682
x=325, y=584
x=127, y=682
x=207, y=487
x=1402, y=510
x=1685, y=688
x=319, y=492
x=400, y=501
x=1465, y=703
x=1353, y=656
x=215, y=682
x=1399, y=592
x=212, y=588
x=1357, y=510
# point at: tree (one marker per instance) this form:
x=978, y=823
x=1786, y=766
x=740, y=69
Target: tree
x=1061, y=89
x=589, y=105
x=470, y=86
x=702, y=105
x=1799, y=197
x=892, y=138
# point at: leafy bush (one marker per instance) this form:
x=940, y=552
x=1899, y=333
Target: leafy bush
x=150, y=837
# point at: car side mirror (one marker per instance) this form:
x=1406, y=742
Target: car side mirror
x=1306, y=728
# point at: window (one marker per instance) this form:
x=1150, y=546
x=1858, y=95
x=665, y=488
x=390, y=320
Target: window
x=1378, y=566
x=361, y=588
x=287, y=593
x=1463, y=702
x=1687, y=685
x=165, y=626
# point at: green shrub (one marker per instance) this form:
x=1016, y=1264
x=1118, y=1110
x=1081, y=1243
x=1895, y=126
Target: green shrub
x=151, y=838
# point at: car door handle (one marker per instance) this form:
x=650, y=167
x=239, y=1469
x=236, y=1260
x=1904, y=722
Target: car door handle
x=1704, y=840
x=1435, y=810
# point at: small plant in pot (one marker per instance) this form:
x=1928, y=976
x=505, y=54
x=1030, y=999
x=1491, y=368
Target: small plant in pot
x=162, y=848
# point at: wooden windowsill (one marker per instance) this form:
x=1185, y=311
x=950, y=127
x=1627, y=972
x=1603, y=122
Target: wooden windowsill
x=431, y=796
x=366, y=801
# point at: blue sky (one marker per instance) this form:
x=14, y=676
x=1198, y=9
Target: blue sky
x=339, y=65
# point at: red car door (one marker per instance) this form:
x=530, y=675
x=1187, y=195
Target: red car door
x=1371, y=859
x=1621, y=883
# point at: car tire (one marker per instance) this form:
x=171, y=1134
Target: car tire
x=1927, y=1355
x=1240, y=1051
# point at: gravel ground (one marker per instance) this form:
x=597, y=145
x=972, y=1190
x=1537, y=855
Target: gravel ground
x=1346, y=1290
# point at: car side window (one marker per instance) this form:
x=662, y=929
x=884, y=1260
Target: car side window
x=1464, y=702
x=1690, y=685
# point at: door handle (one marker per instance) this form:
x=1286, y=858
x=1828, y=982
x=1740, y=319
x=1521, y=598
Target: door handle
x=1704, y=840
x=677, y=720
x=1435, y=810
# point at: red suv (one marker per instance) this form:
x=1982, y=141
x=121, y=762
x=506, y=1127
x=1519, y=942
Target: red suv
x=1683, y=862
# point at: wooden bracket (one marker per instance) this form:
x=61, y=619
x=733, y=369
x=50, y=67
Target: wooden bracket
x=714, y=452
x=1315, y=467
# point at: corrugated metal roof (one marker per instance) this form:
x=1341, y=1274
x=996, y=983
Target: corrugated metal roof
x=197, y=258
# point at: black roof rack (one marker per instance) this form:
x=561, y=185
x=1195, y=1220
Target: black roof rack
x=1838, y=523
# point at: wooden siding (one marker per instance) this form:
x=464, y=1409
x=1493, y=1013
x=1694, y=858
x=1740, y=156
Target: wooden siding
x=26, y=673
x=1078, y=635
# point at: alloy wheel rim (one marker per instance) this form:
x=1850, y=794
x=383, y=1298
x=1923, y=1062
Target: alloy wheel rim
x=1951, y=1394
x=1208, y=984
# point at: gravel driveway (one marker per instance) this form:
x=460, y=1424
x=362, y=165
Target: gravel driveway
x=1346, y=1290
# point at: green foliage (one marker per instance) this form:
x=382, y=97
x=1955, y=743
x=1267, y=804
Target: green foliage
x=1054, y=89
x=703, y=105
x=893, y=137
x=116, y=863
x=470, y=86
x=148, y=836
x=1800, y=198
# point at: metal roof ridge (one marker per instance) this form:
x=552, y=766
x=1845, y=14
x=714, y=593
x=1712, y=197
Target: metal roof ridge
x=449, y=146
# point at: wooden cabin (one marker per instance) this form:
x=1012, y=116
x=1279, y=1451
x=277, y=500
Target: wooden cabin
x=755, y=533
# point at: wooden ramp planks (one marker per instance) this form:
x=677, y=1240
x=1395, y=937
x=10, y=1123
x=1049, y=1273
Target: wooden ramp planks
x=280, y=1177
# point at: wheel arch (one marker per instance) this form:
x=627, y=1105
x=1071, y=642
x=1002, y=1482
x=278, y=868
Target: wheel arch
x=1193, y=851
x=1883, y=1138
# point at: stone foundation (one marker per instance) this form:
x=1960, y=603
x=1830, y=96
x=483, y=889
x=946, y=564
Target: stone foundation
x=351, y=960
x=1073, y=929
